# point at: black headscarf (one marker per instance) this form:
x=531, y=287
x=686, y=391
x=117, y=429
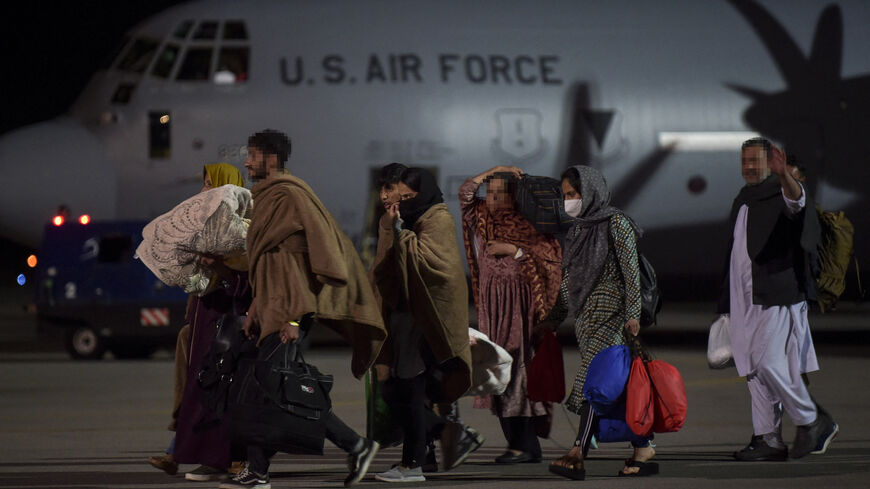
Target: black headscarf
x=588, y=241
x=428, y=195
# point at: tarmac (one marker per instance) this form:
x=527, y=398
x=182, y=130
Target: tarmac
x=68, y=424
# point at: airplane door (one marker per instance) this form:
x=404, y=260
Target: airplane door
x=159, y=135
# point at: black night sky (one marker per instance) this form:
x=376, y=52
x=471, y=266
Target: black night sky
x=52, y=48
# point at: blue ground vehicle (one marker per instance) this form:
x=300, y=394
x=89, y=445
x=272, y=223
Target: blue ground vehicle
x=89, y=284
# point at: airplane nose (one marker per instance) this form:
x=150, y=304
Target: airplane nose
x=48, y=164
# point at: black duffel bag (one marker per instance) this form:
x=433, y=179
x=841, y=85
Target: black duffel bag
x=539, y=200
x=279, y=404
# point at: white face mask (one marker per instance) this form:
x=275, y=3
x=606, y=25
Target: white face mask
x=573, y=207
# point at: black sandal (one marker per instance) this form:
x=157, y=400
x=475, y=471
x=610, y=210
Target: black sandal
x=571, y=471
x=645, y=469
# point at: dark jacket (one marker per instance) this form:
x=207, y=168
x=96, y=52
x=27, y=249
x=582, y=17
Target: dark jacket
x=781, y=246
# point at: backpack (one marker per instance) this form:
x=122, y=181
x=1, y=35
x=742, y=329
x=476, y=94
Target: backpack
x=539, y=200
x=835, y=251
x=650, y=295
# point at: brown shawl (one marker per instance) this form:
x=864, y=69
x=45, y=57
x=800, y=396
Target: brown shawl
x=541, y=268
x=301, y=262
x=424, y=267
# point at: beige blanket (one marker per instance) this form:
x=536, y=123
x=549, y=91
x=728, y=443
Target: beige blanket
x=211, y=222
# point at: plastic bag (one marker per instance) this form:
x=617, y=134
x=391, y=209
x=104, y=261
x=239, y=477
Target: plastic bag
x=719, y=344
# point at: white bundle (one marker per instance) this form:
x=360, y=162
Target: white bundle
x=490, y=366
x=209, y=223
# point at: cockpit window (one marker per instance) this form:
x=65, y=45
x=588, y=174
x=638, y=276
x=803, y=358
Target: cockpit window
x=123, y=93
x=207, y=30
x=234, y=30
x=139, y=55
x=165, y=61
x=108, y=60
x=183, y=29
x=196, y=64
x=232, y=66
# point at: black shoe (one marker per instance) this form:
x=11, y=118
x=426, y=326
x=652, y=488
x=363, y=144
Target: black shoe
x=759, y=451
x=510, y=457
x=247, y=479
x=469, y=441
x=814, y=437
x=826, y=440
x=358, y=463
x=431, y=463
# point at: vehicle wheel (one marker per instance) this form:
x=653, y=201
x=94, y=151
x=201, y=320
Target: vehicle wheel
x=132, y=352
x=83, y=343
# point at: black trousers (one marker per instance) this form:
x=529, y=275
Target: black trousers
x=589, y=427
x=337, y=431
x=340, y=434
x=421, y=426
x=521, y=435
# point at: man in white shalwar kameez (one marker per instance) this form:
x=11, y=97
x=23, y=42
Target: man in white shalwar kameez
x=768, y=283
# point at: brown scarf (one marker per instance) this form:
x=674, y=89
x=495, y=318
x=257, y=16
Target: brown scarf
x=541, y=270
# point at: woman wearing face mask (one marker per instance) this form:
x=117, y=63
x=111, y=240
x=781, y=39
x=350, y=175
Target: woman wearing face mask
x=601, y=288
x=515, y=278
x=418, y=269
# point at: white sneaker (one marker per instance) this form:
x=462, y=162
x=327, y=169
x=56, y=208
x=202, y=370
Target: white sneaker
x=402, y=474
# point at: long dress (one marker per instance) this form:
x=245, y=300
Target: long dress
x=600, y=322
x=211, y=445
x=506, y=315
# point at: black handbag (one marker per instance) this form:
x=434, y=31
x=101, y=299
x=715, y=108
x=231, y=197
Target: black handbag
x=219, y=364
x=280, y=404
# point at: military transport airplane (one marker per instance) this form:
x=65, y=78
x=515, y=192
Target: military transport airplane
x=658, y=95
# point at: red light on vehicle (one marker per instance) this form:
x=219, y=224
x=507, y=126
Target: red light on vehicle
x=58, y=220
x=85, y=219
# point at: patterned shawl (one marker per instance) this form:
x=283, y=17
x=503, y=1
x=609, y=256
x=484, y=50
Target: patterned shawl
x=587, y=243
x=540, y=269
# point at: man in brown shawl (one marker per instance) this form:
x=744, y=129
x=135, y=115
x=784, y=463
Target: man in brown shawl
x=304, y=271
x=515, y=275
x=418, y=269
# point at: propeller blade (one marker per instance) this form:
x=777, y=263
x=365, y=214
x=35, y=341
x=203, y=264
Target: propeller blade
x=789, y=59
